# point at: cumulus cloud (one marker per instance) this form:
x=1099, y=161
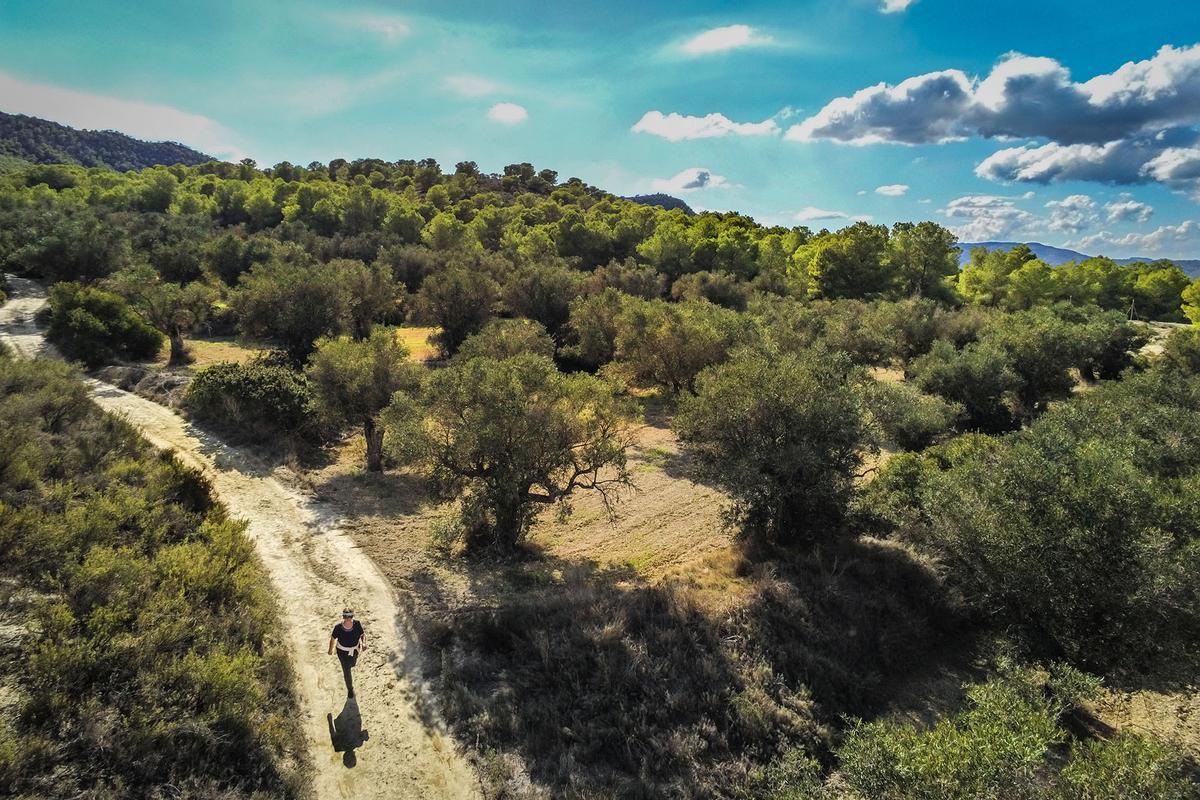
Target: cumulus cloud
x=814, y=214
x=507, y=113
x=1023, y=96
x=678, y=127
x=1170, y=240
x=1071, y=214
x=718, y=40
x=892, y=189
x=470, y=85
x=894, y=6
x=985, y=217
x=1128, y=211
x=689, y=180
x=150, y=121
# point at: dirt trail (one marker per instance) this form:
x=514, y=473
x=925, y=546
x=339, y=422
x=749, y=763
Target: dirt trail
x=392, y=745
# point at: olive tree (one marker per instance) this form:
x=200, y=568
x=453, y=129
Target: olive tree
x=784, y=435
x=354, y=380
x=173, y=309
x=510, y=437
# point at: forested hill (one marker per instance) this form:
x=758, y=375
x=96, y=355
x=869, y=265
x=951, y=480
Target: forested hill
x=1057, y=256
x=665, y=201
x=43, y=142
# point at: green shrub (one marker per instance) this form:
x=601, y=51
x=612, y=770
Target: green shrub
x=908, y=418
x=1182, y=350
x=151, y=668
x=783, y=435
x=259, y=401
x=1128, y=767
x=98, y=327
x=980, y=377
x=1002, y=747
x=994, y=749
x=1080, y=534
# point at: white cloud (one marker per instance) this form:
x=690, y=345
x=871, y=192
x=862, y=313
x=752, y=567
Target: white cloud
x=985, y=217
x=678, y=127
x=1165, y=240
x=893, y=6
x=1128, y=211
x=470, y=85
x=1023, y=96
x=813, y=214
x=149, y=121
x=718, y=40
x=1072, y=214
x=689, y=180
x=892, y=189
x=507, y=113
x=389, y=28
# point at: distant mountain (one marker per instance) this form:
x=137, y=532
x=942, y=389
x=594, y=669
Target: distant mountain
x=43, y=142
x=1056, y=256
x=662, y=201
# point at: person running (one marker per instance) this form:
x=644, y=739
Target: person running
x=349, y=639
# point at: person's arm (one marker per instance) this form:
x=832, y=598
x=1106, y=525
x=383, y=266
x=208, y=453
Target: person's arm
x=331, y=641
x=362, y=639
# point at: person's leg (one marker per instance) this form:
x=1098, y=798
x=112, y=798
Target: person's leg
x=347, y=664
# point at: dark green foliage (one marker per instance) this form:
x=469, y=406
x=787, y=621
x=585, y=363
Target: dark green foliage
x=1002, y=746
x=459, y=301
x=45, y=142
x=150, y=659
x=291, y=303
x=507, y=338
x=720, y=288
x=543, y=293
x=98, y=327
x=1182, y=350
x=79, y=246
x=668, y=344
x=1081, y=533
x=979, y=377
x=907, y=418
x=784, y=435
x=260, y=402
x=511, y=437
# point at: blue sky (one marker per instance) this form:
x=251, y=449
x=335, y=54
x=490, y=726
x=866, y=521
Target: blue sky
x=1070, y=123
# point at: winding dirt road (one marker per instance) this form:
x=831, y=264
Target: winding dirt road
x=387, y=745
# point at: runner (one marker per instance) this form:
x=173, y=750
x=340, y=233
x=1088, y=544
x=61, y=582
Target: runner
x=349, y=639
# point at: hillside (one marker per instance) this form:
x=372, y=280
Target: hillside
x=1056, y=256
x=43, y=142
x=662, y=201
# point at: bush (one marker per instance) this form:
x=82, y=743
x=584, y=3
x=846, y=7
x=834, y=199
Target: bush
x=1080, y=534
x=259, y=401
x=979, y=377
x=1002, y=746
x=783, y=435
x=98, y=327
x=507, y=338
x=908, y=418
x=1129, y=767
x=994, y=749
x=1182, y=350
x=134, y=682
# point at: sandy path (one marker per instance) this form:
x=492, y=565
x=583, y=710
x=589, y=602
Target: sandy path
x=397, y=749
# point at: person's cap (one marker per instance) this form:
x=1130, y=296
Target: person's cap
x=347, y=613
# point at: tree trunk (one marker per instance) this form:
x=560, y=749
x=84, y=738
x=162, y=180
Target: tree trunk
x=179, y=354
x=507, y=530
x=374, y=435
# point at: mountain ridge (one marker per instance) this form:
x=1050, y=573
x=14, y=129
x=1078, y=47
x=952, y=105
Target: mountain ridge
x=1057, y=256
x=40, y=141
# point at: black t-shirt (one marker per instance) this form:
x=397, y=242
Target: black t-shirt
x=348, y=638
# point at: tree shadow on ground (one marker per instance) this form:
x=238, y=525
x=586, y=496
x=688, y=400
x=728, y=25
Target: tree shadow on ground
x=607, y=685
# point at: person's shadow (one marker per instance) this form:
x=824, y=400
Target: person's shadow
x=346, y=732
